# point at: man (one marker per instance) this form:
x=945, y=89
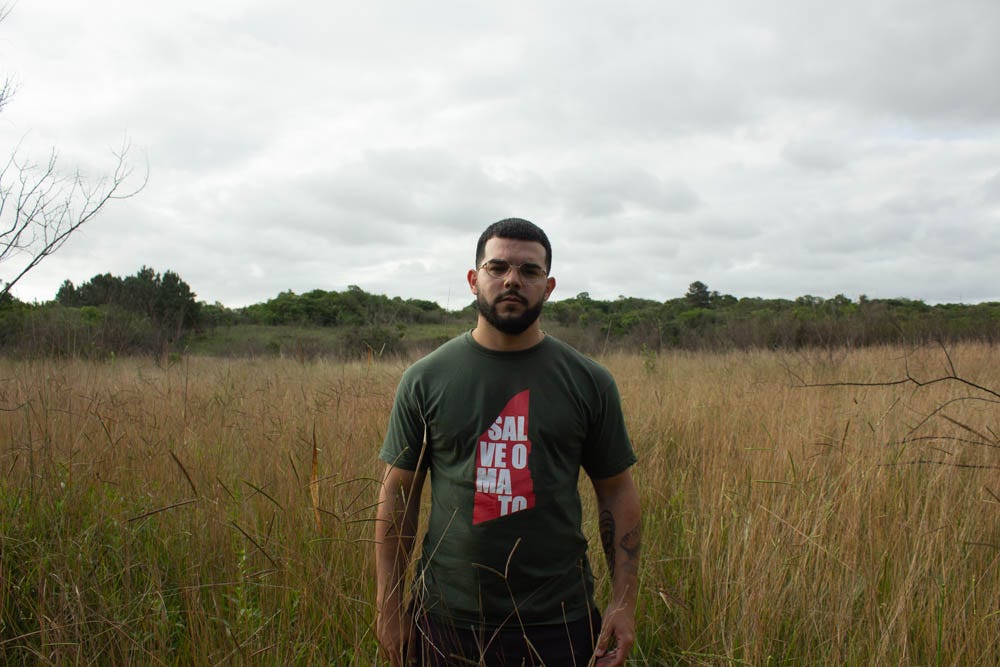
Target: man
x=503, y=418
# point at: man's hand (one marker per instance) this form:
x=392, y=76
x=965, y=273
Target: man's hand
x=616, y=638
x=396, y=637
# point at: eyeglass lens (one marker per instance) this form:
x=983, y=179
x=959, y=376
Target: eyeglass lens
x=499, y=269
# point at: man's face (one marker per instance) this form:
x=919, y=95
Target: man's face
x=513, y=302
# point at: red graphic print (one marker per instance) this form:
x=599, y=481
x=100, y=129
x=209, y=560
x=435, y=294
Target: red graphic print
x=503, y=479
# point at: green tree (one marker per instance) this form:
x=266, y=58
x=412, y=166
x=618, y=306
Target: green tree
x=101, y=290
x=175, y=308
x=166, y=301
x=698, y=295
x=140, y=292
x=67, y=295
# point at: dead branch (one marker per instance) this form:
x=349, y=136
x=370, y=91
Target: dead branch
x=981, y=436
x=909, y=379
x=41, y=208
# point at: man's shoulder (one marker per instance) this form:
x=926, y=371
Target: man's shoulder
x=577, y=360
x=559, y=346
x=441, y=358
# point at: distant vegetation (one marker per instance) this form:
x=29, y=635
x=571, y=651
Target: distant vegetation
x=158, y=314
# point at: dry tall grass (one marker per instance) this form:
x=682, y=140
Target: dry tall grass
x=166, y=515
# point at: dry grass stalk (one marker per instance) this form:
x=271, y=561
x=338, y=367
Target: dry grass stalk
x=314, y=482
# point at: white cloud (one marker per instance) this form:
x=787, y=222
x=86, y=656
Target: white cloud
x=773, y=149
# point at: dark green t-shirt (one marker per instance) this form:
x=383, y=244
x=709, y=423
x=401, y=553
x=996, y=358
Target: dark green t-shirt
x=506, y=434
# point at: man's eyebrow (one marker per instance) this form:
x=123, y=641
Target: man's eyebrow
x=507, y=261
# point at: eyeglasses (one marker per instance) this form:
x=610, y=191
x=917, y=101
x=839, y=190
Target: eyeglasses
x=499, y=268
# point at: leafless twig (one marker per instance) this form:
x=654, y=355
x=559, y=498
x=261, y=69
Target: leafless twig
x=41, y=208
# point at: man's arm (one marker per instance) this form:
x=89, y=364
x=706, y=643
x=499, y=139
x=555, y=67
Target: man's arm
x=620, y=518
x=395, y=532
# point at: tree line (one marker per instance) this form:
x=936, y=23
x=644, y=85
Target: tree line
x=157, y=313
x=705, y=319
x=146, y=312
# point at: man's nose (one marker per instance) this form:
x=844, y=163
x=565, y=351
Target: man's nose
x=513, y=278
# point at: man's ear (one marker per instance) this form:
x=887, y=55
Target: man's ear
x=550, y=284
x=473, y=278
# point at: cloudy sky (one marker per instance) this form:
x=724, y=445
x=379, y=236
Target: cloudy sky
x=773, y=148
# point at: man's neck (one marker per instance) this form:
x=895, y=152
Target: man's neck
x=493, y=339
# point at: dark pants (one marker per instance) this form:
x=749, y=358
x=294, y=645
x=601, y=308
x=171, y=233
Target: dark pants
x=442, y=643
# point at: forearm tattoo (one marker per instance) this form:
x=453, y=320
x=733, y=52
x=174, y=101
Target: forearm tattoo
x=606, y=522
x=631, y=543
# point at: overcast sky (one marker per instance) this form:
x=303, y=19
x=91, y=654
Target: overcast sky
x=772, y=148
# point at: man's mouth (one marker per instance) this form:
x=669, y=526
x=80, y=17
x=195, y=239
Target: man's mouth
x=512, y=298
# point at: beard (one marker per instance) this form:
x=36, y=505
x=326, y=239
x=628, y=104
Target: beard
x=509, y=324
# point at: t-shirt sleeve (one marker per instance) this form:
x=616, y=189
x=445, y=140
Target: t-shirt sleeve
x=608, y=449
x=404, y=436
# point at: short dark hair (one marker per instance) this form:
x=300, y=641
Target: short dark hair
x=518, y=229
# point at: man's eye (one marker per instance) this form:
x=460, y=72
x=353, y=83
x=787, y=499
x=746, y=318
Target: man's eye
x=532, y=271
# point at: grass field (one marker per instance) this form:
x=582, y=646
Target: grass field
x=178, y=514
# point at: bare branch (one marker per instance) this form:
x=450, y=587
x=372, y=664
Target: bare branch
x=907, y=380
x=947, y=356
x=6, y=88
x=984, y=436
x=40, y=208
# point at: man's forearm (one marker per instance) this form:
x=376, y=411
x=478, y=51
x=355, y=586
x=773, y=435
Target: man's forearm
x=620, y=519
x=395, y=532
x=392, y=554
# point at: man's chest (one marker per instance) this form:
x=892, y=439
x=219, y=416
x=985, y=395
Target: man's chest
x=488, y=435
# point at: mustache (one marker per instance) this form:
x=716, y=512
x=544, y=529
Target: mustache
x=511, y=294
